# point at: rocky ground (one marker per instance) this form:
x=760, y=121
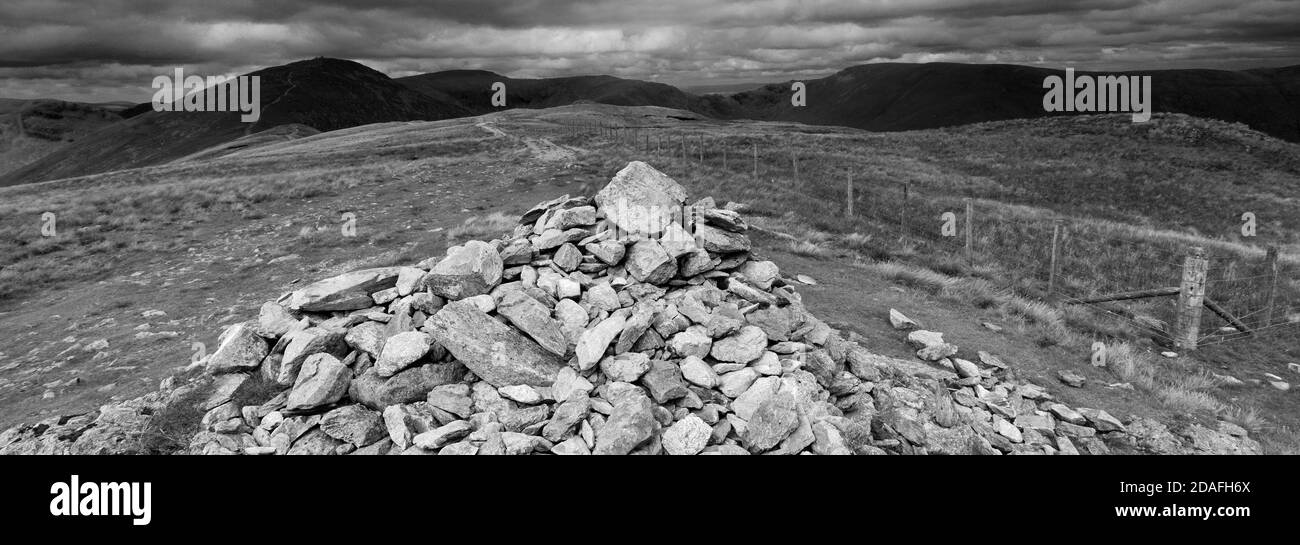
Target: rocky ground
x=599, y=328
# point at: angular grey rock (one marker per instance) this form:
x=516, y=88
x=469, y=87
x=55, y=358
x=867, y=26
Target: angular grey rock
x=774, y=420
x=534, y=319
x=694, y=341
x=367, y=337
x=763, y=389
x=401, y=351
x=737, y=382
x=828, y=440
x=900, y=321
x=408, y=386
x=470, y=269
x=1101, y=420
x=640, y=199
x=495, y=352
x=1070, y=378
x=1067, y=414
x=442, y=436
x=273, y=320
x=647, y=261
x=625, y=367
x=567, y=415
x=241, y=350
x=567, y=257
x=593, y=342
x=349, y=291
x=697, y=262
x=697, y=372
x=630, y=424
x=718, y=241
x=462, y=448
x=728, y=220
x=453, y=398
x=314, y=443
x=760, y=273
x=664, y=382
x=567, y=383
x=521, y=393
x=354, y=424
x=408, y=279
x=571, y=447
x=965, y=368
x=323, y=380
x=743, y=347
x=687, y=437
x=518, y=252
x=610, y=252
x=305, y=343
x=776, y=322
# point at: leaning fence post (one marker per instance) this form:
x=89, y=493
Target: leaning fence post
x=902, y=214
x=970, y=255
x=1051, y=273
x=1271, y=302
x=1191, y=296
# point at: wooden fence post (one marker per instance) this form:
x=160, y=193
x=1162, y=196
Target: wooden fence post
x=970, y=254
x=902, y=214
x=701, y=149
x=794, y=163
x=755, y=161
x=1051, y=273
x=724, y=155
x=1271, y=302
x=848, y=197
x=1191, y=296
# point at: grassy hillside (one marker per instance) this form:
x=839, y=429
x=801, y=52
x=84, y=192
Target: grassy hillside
x=31, y=129
x=472, y=89
x=324, y=94
x=906, y=96
x=207, y=240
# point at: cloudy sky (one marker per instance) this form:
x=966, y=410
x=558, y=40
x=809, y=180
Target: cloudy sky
x=101, y=50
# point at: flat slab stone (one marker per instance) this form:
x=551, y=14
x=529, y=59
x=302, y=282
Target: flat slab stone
x=495, y=352
x=348, y=291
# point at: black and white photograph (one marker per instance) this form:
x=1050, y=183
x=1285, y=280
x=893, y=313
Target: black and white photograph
x=682, y=227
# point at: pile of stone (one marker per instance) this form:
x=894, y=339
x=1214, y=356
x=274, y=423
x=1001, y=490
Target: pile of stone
x=633, y=322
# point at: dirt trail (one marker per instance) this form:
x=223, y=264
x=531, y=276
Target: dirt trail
x=542, y=149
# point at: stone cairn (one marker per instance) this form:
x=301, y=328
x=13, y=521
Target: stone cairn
x=627, y=323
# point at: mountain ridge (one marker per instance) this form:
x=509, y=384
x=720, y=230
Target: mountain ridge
x=331, y=94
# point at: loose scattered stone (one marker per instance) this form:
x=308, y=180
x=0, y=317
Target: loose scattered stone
x=1071, y=378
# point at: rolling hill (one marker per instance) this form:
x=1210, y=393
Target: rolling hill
x=471, y=89
x=899, y=96
x=324, y=94
x=329, y=94
x=31, y=129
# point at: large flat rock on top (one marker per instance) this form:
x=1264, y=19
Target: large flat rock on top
x=348, y=291
x=497, y=353
x=640, y=199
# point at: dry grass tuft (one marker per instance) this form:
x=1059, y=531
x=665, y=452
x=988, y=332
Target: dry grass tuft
x=486, y=227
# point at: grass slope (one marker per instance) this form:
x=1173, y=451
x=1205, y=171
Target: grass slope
x=206, y=241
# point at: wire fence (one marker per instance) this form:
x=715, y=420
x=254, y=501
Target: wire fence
x=1029, y=251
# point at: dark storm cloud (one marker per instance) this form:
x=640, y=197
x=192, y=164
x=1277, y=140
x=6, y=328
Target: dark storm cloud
x=59, y=47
